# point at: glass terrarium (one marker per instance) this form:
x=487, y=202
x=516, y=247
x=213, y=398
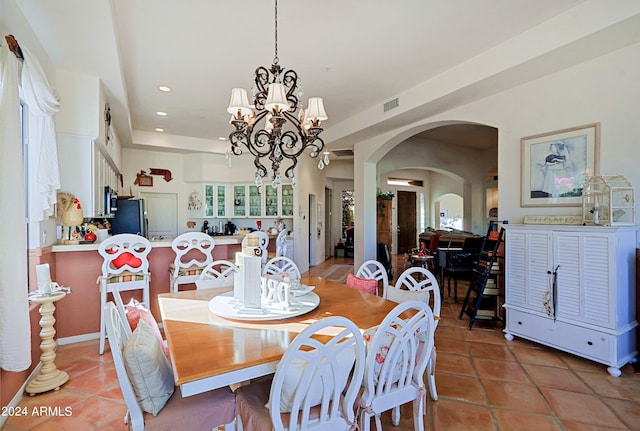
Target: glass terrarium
x=607, y=200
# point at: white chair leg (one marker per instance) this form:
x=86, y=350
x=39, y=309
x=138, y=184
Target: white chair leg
x=418, y=414
x=145, y=296
x=431, y=379
x=103, y=324
x=395, y=416
x=431, y=376
x=238, y=423
x=365, y=421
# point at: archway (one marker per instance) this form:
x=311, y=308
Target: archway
x=456, y=166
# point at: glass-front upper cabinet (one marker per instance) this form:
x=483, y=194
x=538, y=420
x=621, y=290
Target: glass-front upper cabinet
x=221, y=207
x=287, y=200
x=271, y=201
x=255, y=201
x=207, y=200
x=239, y=200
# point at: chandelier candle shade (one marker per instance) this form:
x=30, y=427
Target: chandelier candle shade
x=274, y=126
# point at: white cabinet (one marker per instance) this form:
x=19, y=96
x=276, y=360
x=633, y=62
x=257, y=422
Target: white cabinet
x=85, y=172
x=207, y=200
x=573, y=288
x=250, y=200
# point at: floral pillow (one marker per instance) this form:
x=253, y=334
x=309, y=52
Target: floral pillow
x=363, y=284
x=382, y=351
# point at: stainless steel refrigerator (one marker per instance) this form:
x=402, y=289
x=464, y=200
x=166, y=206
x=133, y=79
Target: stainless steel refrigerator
x=131, y=217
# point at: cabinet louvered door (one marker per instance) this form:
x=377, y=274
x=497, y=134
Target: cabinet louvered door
x=584, y=276
x=528, y=258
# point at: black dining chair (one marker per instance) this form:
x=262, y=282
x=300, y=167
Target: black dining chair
x=460, y=264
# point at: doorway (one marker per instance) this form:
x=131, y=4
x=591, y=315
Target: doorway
x=328, y=231
x=313, y=230
x=407, y=230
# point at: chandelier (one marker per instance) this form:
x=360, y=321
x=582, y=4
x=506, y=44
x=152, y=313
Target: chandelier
x=270, y=127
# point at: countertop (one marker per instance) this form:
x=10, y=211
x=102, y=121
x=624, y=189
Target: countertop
x=165, y=242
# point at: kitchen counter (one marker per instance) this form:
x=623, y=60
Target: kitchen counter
x=155, y=243
x=79, y=265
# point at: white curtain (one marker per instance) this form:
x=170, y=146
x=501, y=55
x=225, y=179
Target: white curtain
x=15, y=333
x=43, y=153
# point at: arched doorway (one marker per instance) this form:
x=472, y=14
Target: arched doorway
x=454, y=158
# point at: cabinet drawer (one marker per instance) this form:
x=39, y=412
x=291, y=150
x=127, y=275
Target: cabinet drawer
x=564, y=336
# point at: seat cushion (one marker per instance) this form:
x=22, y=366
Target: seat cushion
x=252, y=406
x=192, y=270
x=148, y=369
x=362, y=284
x=398, y=295
x=125, y=277
x=199, y=412
x=136, y=312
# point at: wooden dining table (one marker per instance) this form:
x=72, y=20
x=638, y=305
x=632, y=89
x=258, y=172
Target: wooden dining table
x=208, y=351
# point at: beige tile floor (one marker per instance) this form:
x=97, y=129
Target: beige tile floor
x=484, y=383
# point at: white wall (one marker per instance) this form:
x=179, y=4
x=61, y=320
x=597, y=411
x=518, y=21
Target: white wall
x=605, y=90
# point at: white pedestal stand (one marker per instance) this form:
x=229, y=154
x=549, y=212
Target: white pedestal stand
x=49, y=376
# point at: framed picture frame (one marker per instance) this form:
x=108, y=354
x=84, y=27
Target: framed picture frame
x=555, y=165
x=144, y=180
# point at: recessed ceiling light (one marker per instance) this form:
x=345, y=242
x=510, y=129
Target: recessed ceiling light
x=158, y=129
x=221, y=138
x=162, y=114
x=164, y=88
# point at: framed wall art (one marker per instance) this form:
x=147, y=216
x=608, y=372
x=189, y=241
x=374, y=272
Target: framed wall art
x=555, y=165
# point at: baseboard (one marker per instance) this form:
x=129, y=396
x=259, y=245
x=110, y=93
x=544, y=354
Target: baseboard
x=15, y=401
x=86, y=337
x=78, y=338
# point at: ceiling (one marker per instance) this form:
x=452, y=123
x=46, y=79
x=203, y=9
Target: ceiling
x=355, y=54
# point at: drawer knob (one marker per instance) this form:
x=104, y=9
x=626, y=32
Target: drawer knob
x=590, y=343
x=519, y=323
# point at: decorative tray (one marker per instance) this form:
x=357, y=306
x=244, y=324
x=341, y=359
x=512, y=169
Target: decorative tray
x=226, y=306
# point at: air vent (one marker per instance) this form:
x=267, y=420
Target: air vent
x=347, y=152
x=391, y=104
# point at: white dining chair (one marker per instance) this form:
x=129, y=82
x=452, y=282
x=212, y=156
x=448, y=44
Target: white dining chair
x=125, y=266
x=280, y=265
x=263, y=238
x=312, y=388
x=219, y=273
x=423, y=283
x=397, y=354
x=194, y=251
x=281, y=244
x=204, y=411
x=417, y=283
x=374, y=270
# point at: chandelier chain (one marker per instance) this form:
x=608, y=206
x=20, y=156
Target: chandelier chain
x=275, y=58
